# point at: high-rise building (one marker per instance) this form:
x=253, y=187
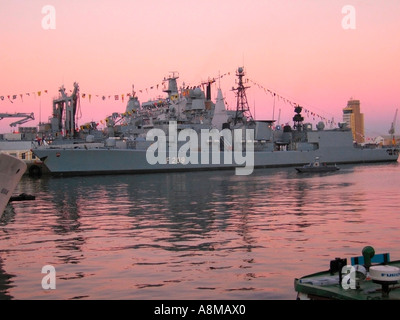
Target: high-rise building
x=354, y=119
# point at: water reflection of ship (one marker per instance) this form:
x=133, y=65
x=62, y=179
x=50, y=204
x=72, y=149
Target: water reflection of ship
x=6, y=283
x=183, y=200
x=175, y=201
x=67, y=209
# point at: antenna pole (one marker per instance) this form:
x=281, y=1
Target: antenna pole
x=242, y=106
x=273, y=109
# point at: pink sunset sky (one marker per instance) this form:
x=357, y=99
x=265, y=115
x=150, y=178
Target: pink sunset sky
x=298, y=49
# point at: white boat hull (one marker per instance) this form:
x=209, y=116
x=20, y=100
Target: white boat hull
x=11, y=171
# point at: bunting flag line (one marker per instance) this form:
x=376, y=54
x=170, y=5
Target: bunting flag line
x=117, y=97
x=12, y=97
x=294, y=104
x=163, y=86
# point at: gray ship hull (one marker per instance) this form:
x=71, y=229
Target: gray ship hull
x=113, y=161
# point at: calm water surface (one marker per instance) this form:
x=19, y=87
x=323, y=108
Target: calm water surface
x=199, y=235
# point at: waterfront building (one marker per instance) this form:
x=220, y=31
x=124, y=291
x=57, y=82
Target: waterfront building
x=355, y=120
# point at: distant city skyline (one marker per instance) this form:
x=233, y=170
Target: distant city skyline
x=317, y=54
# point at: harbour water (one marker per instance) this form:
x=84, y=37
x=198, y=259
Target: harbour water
x=194, y=235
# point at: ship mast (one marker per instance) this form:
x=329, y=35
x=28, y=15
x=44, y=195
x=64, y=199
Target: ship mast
x=242, y=106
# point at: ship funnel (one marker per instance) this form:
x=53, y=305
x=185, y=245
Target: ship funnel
x=208, y=96
x=172, y=85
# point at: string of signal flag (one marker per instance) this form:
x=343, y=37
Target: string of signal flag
x=103, y=97
x=121, y=97
x=308, y=112
x=15, y=96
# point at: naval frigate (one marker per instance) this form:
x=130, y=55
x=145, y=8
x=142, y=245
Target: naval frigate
x=186, y=131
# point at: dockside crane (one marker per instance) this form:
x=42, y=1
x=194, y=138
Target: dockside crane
x=392, y=129
x=26, y=117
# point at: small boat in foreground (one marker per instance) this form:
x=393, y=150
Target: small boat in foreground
x=11, y=171
x=316, y=166
x=369, y=277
